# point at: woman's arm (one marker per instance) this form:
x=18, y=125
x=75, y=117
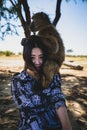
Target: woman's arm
x=64, y=118
x=59, y=104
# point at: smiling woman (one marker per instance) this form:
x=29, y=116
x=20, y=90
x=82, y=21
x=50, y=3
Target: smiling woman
x=40, y=108
x=37, y=57
x=34, y=53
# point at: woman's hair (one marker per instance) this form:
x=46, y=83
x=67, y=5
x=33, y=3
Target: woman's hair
x=28, y=44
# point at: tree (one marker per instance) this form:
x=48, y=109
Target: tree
x=69, y=51
x=14, y=12
x=19, y=10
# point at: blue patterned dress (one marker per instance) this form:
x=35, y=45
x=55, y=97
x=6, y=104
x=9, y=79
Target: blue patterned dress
x=37, y=109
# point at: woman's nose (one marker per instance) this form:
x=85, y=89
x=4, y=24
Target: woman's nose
x=37, y=61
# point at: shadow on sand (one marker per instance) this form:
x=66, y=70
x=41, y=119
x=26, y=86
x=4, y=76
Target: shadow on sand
x=75, y=91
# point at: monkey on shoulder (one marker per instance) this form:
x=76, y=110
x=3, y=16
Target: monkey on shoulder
x=41, y=23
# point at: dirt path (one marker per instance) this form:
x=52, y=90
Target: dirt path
x=74, y=86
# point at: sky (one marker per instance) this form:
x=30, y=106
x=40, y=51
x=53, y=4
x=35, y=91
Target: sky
x=72, y=26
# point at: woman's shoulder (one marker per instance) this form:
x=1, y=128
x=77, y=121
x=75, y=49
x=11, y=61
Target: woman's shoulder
x=56, y=81
x=22, y=76
x=18, y=75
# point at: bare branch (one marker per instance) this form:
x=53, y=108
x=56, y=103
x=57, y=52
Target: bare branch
x=27, y=12
x=58, y=14
x=13, y=3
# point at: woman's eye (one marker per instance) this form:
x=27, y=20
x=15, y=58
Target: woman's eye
x=32, y=58
x=41, y=57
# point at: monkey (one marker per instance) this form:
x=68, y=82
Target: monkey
x=42, y=25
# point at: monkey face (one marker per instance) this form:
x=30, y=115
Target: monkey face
x=39, y=20
x=34, y=25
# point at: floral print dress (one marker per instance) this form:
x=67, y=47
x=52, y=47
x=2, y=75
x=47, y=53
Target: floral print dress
x=37, y=109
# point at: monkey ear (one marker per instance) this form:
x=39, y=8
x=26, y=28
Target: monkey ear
x=43, y=14
x=24, y=41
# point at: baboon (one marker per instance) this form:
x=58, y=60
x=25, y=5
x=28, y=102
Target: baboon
x=41, y=23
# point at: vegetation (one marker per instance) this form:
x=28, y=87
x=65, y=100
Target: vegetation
x=6, y=53
x=79, y=56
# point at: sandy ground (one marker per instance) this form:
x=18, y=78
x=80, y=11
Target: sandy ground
x=74, y=86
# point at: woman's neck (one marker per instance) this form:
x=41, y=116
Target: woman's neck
x=33, y=73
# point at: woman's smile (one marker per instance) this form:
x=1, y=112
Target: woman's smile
x=37, y=57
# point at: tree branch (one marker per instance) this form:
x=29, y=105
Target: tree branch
x=27, y=12
x=23, y=21
x=57, y=14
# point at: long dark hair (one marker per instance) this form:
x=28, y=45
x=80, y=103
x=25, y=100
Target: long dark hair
x=30, y=43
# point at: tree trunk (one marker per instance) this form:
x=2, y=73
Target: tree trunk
x=73, y=66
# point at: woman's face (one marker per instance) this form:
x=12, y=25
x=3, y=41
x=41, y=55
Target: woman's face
x=37, y=57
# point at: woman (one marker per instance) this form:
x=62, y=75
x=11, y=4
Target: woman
x=40, y=108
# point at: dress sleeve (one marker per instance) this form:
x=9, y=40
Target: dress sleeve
x=19, y=95
x=57, y=98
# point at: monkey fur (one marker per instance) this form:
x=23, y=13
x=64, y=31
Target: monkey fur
x=41, y=23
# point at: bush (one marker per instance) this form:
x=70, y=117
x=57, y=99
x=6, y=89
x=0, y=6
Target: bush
x=6, y=53
x=1, y=53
